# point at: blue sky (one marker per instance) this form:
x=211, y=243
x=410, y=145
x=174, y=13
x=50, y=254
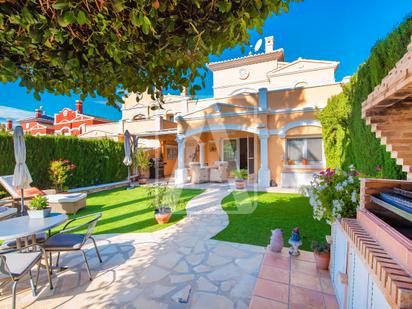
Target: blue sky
x=341, y=30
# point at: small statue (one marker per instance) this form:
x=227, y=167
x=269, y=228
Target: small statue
x=276, y=241
x=295, y=242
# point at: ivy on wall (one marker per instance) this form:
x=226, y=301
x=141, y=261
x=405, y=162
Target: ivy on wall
x=348, y=140
x=98, y=161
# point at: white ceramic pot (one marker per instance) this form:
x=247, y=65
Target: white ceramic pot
x=39, y=214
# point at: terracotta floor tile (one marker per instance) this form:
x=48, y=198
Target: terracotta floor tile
x=264, y=303
x=326, y=285
x=304, y=267
x=306, y=256
x=276, y=260
x=305, y=298
x=274, y=274
x=330, y=302
x=305, y=281
x=272, y=290
x=324, y=273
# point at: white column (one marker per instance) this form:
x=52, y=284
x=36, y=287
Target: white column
x=264, y=172
x=202, y=154
x=180, y=173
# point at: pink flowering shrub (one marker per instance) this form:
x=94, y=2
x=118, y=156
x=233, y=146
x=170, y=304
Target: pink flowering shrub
x=334, y=194
x=59, y=171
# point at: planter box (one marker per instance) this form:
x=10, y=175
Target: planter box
x=39, y=214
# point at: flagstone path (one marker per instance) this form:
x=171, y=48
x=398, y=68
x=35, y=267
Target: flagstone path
x=178, y=267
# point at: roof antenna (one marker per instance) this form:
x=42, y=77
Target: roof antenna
x=258, y=45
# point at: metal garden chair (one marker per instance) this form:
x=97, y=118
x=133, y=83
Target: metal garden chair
x=64, y=241
x=16, y=263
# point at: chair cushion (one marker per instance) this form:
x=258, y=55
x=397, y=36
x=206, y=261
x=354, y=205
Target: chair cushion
x=19, y=263
x=64, y=242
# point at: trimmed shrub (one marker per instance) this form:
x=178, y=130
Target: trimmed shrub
x=98, y=161
x=348, y=140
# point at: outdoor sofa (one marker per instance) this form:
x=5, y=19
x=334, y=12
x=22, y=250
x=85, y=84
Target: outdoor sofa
x=218, y=172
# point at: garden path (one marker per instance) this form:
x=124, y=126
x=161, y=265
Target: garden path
x=178, y=267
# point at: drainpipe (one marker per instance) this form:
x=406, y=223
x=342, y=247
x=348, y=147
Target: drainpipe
x=264, y=172
x=263, y=99
x=180, y=172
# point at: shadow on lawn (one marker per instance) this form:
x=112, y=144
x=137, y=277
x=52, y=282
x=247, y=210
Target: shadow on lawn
x=128, y=211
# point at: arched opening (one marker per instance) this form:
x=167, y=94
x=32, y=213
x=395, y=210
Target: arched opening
x=239, y=148
x=245, y=90
x=139, y=117
x=300, y=84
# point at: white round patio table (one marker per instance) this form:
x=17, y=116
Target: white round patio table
x=23, y=227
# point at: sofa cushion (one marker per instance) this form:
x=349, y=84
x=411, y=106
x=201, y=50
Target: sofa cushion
x=66, y=197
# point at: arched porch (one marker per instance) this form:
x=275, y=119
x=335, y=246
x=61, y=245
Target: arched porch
x=242, y=147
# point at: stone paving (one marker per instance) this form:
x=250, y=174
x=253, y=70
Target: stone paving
x=178, y=267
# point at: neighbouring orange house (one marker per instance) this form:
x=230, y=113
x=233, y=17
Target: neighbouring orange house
x=40, y=124
x=72, y=122
x=66, y=122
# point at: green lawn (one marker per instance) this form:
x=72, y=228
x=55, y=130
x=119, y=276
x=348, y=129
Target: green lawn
x=127, y=211
x=252, y=216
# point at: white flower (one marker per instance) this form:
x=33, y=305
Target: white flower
x=354, y=197
x=337, y=208
x=351, y=167
x=339, y=187
x=350, y=179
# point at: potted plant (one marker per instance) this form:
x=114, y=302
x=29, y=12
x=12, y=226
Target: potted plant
x=321, y=250
x=163, y=201
x=304, y=161
x=240, y=178
x=143, y=165
x=38, y=207
x=59, y=172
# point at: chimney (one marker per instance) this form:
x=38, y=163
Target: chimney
x=184, y=92
x=79, y=106
x=9, y=125
x=39, y=112
x=269, y=42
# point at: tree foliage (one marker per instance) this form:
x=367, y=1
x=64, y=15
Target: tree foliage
x=108, y=47
x=348, y=140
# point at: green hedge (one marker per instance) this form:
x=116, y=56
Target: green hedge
x=97, y=161
x=348, y=140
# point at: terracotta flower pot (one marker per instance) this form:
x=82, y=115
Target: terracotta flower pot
x=142, y=180
x=239, y=183
x=164, y=216
x=322, y=260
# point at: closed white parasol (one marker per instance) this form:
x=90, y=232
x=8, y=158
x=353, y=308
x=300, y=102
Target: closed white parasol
x=21, y=177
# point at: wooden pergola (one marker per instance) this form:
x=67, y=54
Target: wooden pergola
x=388, y=109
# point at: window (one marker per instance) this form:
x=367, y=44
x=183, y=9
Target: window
x=171, y=118
x=301, y=150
